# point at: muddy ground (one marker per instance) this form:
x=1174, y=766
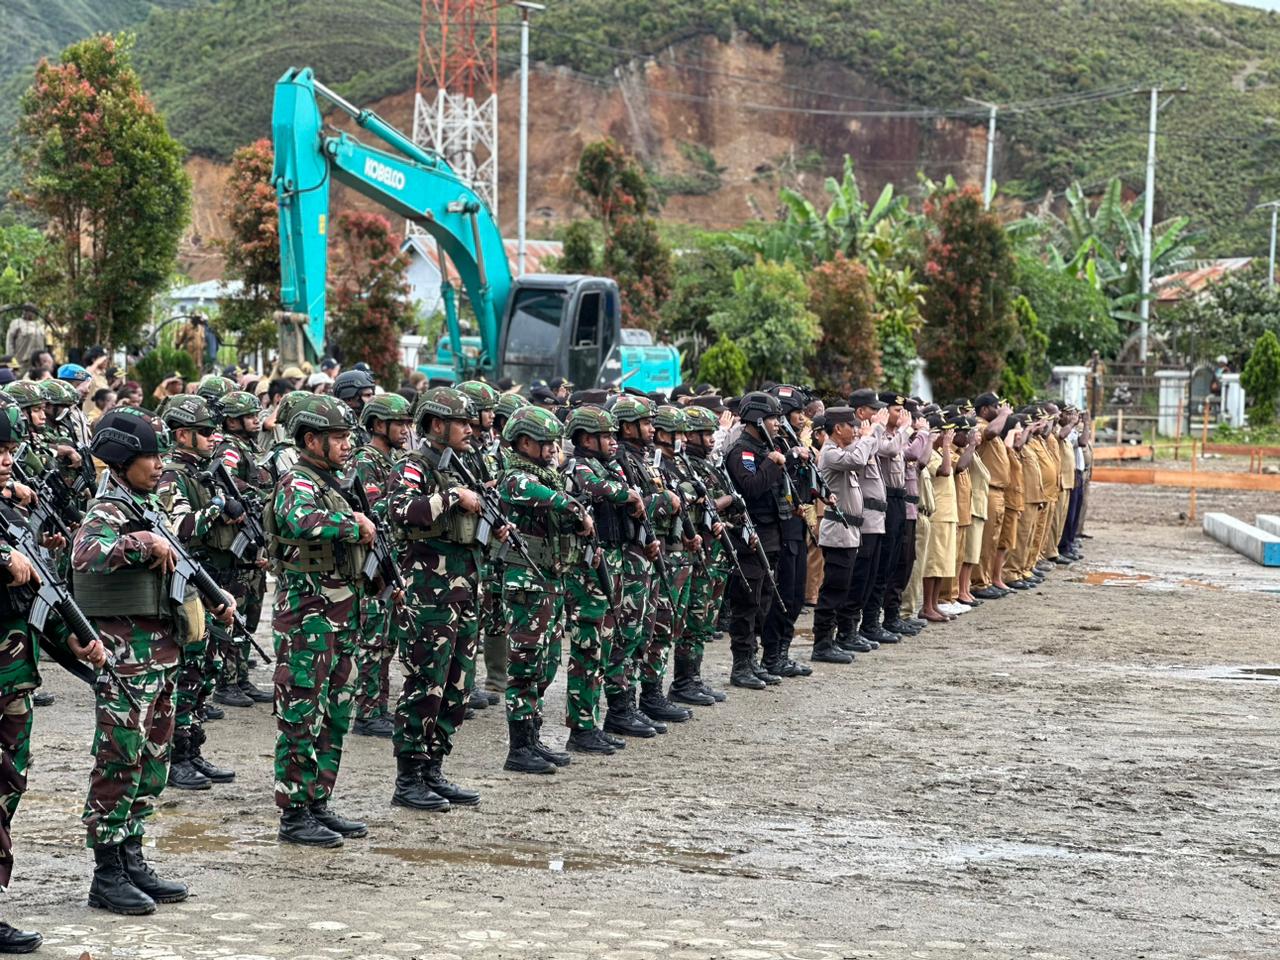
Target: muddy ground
x=1077, y=772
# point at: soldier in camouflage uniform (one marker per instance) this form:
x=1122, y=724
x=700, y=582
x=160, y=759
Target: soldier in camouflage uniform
x=121, y=581
x=595, y=478
x=552, y=524
x=62, y=402
x=213, y=388
x=483, y=464
x=198, y=516
x=36, y=454
x=707, y=587
x=355, y=388
x=237, y=450
x=682, y=547
x=283, y=454
x=493, y=613
x=19, y=676
x=435, y=519
x=318, y=544
x=387, y=421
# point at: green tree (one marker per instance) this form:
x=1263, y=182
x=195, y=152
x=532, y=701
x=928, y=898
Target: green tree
x=1261, y=380
x=725, y=366
x=369, y=295
x=1025, y=369
x=99, y=167
x=162, y=362
x=1224, y=318
x=968, y=271
x=897, y=345
x=702, y=283
x=1074, y=314
x=24, y=251
x=768, y=320
x=840, y=297
x=251, y=250
x=579, y=254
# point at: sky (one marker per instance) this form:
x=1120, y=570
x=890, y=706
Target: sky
x=1260, y=4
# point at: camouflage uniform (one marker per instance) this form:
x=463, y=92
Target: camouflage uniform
x=316, y=625
x=494, y=622
x=371, y=468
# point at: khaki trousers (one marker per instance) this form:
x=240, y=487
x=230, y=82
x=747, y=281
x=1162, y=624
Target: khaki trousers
x=913, y=596
x=990, y=537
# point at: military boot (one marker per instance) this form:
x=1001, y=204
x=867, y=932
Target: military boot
x=521, y=756
x=768, y=668
x=653, y=704
x=827, y=650
x=208, y=711
x=741, y=674
x=791, y=668
x=183, y=775
x=144, y=878
x=618, y=743
x=719, y=696
x=230, y=695
x=433, y=776
x=297, y=825
x=374, y=727
x=588, y=741
x=411, y=787
x=255, y=692
x=478, y=700
x=111, y=888
x=683, y=688
x=762, y=672
x=214, y=773
x=618, y=719
x=13, y=940
x=558, y=757
x=339, y=824
x=639, y=716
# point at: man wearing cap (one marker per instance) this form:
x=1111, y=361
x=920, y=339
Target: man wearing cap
x=994, y=454
x=917, y=445
x=893, y=471
x=851, y=444
x=868, y=408
x=941, y=564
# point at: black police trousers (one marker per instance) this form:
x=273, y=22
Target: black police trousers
x=749, y=602
x=857, y=569
x=895, y=519
x=791, y=569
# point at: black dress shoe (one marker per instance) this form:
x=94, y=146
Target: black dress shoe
x=988, y=593
x=13, y=940
x=1019, y=585
x=1061, y=561
x=970, y=603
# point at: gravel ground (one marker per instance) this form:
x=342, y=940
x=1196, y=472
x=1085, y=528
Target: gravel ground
x=1076, y=772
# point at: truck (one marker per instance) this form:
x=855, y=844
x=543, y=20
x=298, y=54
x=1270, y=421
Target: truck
x=536, y=326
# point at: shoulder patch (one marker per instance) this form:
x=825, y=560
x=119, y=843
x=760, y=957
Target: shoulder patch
x=303, y=484
x=412, y=473
x=231, y=457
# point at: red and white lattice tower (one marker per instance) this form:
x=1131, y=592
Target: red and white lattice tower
x=455, y=111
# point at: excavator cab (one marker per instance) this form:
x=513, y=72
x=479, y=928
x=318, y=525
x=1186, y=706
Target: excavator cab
x=560, y=325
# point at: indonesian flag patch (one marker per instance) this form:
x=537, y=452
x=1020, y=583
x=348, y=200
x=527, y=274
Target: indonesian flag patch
x=231, y=457
x=371, y=489
x=413, y=474
x=303, y=484
x=749, y=460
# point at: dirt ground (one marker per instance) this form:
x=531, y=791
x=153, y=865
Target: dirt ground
x=1075, y=772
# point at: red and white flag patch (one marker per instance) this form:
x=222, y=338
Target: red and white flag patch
x=748, y=455
x=231, y=457
x=371, y=489
x=413, y=474
x=303, y=484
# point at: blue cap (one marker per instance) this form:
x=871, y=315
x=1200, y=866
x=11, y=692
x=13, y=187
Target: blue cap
x=73, y=372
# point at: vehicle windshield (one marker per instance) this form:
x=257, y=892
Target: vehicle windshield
x=534, y=335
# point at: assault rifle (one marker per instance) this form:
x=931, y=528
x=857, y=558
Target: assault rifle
x=817, y=484
x=381, y=562
x=647, y=534
x=712, y=515
x=187, y=570
x=749, y=534
x=491, y=515
x=686, y=522
x=603, y=575
x=57, y=500
x=250, y=537
x=51, y=593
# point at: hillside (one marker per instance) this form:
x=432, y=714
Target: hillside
x=815, y=78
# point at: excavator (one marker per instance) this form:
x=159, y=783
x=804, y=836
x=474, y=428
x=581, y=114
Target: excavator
x=536, y=326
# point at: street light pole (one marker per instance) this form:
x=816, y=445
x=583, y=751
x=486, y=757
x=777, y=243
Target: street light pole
x=991, y=148
x=522, y=199
x=1148, y=213
x=1271, y=259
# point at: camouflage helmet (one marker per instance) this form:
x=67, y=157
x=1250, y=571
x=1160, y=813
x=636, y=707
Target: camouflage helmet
x=670, y=419
x=628, y=408
x=318, y=413
x=446, y=403
x=351, y=383
x=240, y=403
x=480, y=393
x=13, y=425
x=128, y=432
x=701, y=420
x=59, y=393
x=385, y=406
x=188, y=411
x=26, y=394
x=537, y=423
x=214, y=387
x=758, y=405
x=590, y=419
x=284, y=409
x=508, y=404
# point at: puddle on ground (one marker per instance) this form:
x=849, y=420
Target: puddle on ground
x=1115, y=578
x=1265, y=674
x=539, y=857
x=192, y=836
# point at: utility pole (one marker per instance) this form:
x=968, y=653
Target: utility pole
x=522, y=199
x=1144, y=308
x=991, y=148
x=1271, y=260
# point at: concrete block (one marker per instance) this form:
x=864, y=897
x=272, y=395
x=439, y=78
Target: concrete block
x=1269, y=522
x=1250, y=541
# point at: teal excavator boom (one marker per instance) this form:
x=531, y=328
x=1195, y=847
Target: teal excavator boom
x=541, y=325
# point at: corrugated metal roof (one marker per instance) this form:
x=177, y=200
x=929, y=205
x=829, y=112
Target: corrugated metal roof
x=536, y=251
x=1176, y=287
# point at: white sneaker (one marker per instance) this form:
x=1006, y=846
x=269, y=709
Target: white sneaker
x=954, y=609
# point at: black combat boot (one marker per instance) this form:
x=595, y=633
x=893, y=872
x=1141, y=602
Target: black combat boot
x=42, y=699
x=654, y=705
x=899, y=626
x=411, y=787
x=762, y=672
x=208, y=711
x=230, y=695
x=433, y=776
x=374, y=727
x=297, y=825
x=742, y=675
x=521, y=757
x=547, y=752
x=618, y=743
x=588, y=741
x=640, y=716
x=112, y=889
x=478, y=700
x=683, y=688
x=827, y=650
x=183, y=775
x=719, y=696
x=618, y=719
x=337, y=822
x=144, y=878
x=13, y=940
x=255, y=692
x=791, y=668
x=214, y=773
